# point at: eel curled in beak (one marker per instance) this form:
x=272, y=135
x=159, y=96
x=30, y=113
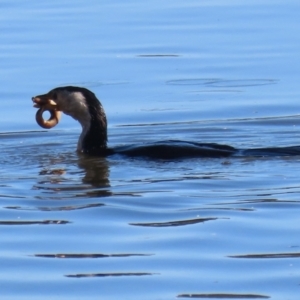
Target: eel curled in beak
x=45, y=103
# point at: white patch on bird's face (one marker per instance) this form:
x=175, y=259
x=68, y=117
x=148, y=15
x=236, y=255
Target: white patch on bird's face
x=74, y=105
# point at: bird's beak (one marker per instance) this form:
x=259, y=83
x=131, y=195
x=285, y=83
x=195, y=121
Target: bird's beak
x=45, y=103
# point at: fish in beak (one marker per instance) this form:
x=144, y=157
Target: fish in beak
x=46, y=103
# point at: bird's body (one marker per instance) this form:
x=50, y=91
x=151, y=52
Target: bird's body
x=82, y=105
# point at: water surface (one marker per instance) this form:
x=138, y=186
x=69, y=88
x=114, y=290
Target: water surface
x=77, y=227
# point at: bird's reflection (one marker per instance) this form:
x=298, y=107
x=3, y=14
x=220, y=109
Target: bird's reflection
x=73, y=176
x=96, y=170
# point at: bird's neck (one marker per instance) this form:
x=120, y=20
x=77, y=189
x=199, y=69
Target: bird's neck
x=88, y=111
x=93, y=138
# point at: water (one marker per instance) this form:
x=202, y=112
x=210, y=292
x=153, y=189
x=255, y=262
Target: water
x=76, y=227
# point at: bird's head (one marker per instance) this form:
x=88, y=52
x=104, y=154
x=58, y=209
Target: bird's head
x=82, y=105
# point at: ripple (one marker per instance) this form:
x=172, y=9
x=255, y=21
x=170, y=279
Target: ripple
x=158, y=55
x=60, y=208
x=216, y=82
x=175, y=223
x=45, y=222
x=267, y=255
x=91, y=255
x=224, y=296
x=110, y=274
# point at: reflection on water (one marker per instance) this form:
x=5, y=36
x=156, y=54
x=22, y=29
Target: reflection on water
x=96, y=171
x=108, y=275
x=45, y=222
x=77, y=227
x=174, y=223
x=146, y=218
x=58, y=208
x=93, y=173
x=65, y=255
x=223, y=296
x=267, y=255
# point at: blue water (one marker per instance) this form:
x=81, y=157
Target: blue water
x=75, y=227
